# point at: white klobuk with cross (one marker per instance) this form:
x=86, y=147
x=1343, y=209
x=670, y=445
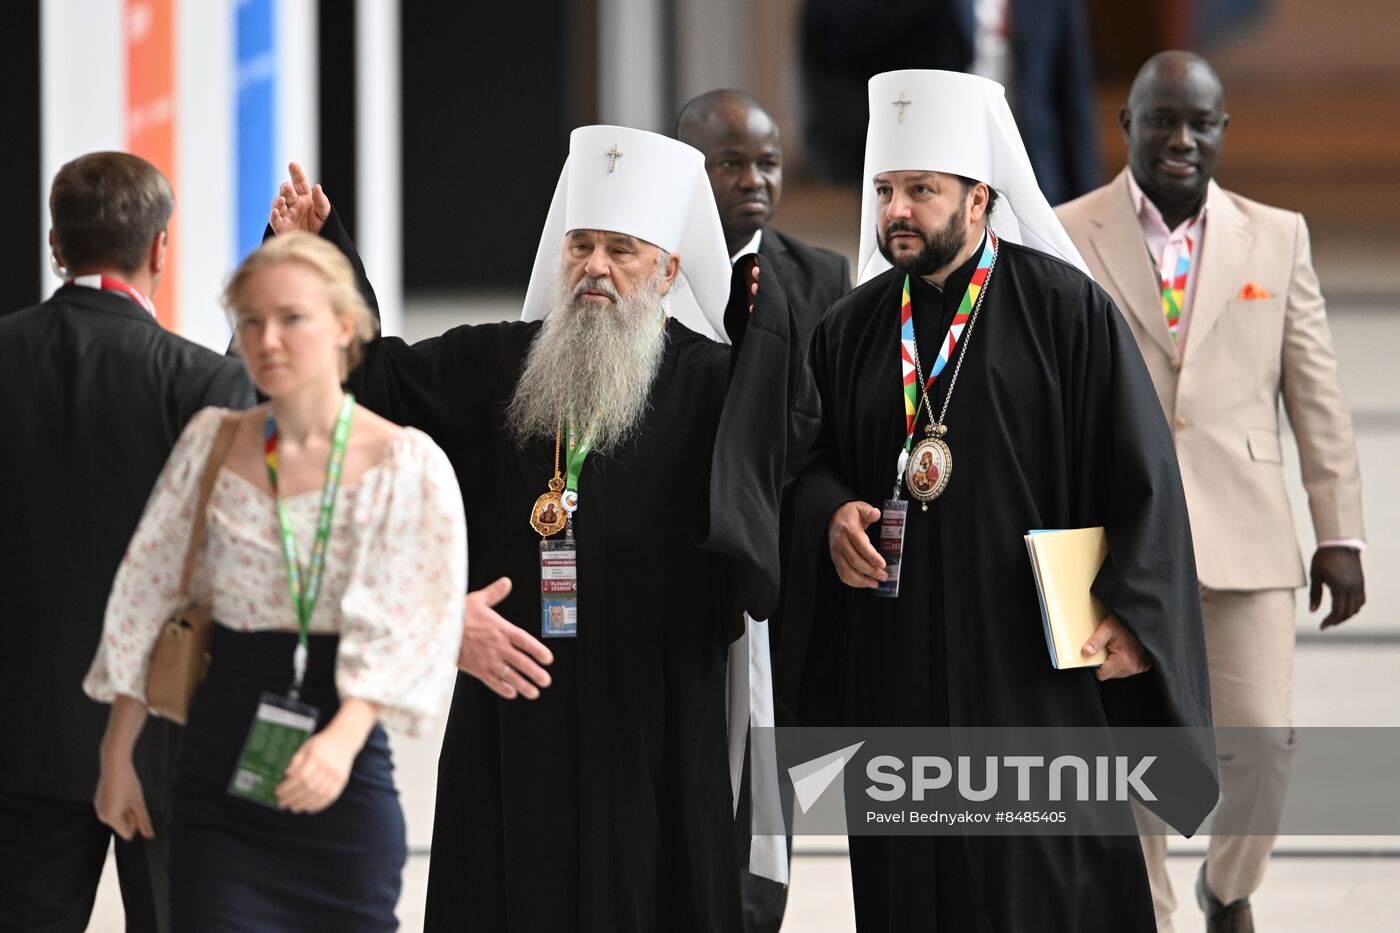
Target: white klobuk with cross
x=962, y=126
x=659, y=193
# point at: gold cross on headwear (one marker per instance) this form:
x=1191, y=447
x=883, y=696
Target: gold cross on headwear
x=901, y=103
x=613, y=155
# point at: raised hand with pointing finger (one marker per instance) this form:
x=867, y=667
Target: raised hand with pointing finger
x=299, y=205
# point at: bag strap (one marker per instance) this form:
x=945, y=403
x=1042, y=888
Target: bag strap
x=228, y=428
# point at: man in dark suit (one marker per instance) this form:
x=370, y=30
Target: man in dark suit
x=93, y=395
x=744, y=159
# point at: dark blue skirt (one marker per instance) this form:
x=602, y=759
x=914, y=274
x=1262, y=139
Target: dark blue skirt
x=236, y=865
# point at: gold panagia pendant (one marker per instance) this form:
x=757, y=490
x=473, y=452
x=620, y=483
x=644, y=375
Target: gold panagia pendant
x=929, y=469
x=548, y=516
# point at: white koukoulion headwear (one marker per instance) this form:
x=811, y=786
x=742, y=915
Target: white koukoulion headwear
x=655, y=189
x=945, y=121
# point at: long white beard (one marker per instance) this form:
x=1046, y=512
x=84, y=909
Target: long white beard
x=591, y=361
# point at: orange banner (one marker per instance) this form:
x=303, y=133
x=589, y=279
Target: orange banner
x=150, y=116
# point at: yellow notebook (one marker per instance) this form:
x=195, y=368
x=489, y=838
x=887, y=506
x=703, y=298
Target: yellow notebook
x=1065, y=564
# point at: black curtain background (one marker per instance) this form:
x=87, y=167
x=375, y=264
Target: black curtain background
x=23, y=218
x=490, y=92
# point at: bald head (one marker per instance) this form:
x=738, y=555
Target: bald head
x=1176, y=67
x=743, y=157
x=1174, y=123
x=722, y=113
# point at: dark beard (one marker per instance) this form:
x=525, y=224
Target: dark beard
x=940, y=247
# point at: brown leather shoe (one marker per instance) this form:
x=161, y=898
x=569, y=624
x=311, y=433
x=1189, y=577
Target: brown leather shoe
x=1234, y=917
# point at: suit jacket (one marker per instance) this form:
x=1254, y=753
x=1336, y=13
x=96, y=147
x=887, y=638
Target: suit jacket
x=93, y=395
x=812, y=277
x=1242, y=355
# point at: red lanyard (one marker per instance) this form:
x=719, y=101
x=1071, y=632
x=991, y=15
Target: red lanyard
x=107, y=283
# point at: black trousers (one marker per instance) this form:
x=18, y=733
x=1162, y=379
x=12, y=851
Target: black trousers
x=51, y=858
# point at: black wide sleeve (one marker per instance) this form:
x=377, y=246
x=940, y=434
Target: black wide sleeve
x=819, y=489
x=819, y=484
x=1129, y=481
x=444, y=385
x=769, y=418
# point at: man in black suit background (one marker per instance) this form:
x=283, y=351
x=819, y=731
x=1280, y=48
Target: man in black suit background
x=744, y=159
x=93, y=395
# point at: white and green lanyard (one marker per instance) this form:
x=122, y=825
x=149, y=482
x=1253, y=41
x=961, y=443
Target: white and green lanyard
x=304, y=597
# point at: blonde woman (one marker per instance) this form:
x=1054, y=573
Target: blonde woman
x=368, y=516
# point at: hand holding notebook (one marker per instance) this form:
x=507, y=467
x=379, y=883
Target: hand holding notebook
x=1079, y=631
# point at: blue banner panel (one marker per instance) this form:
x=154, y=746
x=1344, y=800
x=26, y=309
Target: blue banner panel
x=255, y=154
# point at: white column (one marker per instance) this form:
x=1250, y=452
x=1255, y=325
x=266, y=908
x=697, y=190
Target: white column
x=298, y=86
x=82, y=79
x=713, y=46
x=206, y=189
x=379, y=184
x=631, y=86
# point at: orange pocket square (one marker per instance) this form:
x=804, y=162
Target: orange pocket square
x=1253, y=290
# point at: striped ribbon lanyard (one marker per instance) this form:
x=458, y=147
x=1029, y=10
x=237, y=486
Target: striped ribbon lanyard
x=911, y=371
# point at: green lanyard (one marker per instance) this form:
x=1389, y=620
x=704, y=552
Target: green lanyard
x=578, y=452
x=304, y=599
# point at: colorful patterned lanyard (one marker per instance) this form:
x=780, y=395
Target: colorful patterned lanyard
x=304, y=599
x=910, y=371
x=1174, y=286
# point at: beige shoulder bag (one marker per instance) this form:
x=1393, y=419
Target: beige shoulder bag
x=181, y=655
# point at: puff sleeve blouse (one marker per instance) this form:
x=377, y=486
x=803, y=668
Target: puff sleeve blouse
x=392, y=587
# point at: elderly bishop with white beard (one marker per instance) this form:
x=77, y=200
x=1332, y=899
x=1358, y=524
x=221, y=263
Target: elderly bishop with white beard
x=620, y=451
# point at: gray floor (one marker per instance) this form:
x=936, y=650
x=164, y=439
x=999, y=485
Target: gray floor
x=1349, y=676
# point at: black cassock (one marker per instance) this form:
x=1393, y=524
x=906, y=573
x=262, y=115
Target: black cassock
x=605, y=805
x=1053, y=424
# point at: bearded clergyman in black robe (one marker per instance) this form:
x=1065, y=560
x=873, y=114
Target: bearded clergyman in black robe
x=1041, y=416
x=640, y=417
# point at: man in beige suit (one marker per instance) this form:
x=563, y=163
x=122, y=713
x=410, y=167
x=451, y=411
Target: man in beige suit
x=1221, y=295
